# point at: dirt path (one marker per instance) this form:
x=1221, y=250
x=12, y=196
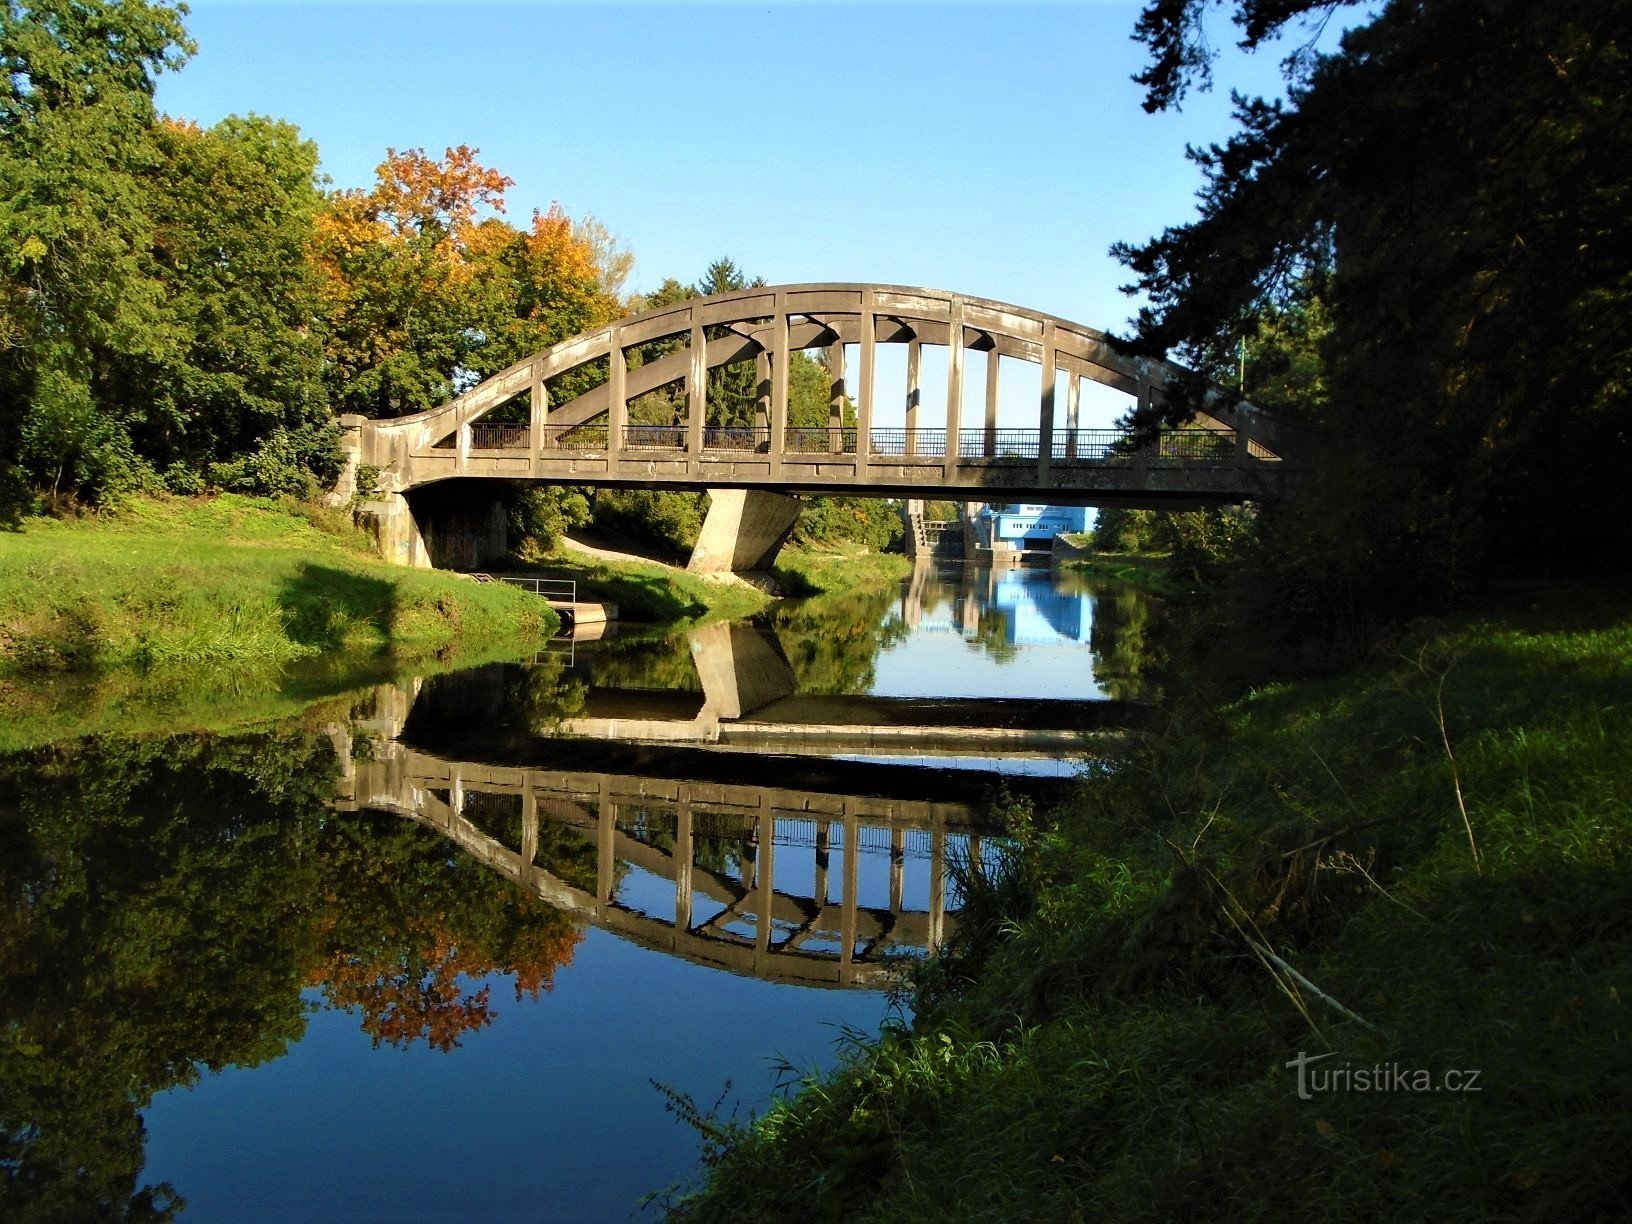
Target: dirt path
x=599, y=551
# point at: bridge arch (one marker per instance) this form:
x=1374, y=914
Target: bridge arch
x=1233, y=453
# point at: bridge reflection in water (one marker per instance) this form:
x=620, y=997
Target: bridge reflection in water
x=803, y=887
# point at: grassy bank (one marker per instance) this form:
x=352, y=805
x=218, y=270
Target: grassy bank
x=649, y=593
x=1152, y=572
x=827, y=571
x=235, y=582
x=1420, y=866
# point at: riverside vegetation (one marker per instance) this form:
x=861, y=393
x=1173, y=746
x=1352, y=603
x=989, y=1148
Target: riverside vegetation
x=1348, y=936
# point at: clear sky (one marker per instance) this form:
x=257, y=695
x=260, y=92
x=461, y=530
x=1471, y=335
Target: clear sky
x=995, y=149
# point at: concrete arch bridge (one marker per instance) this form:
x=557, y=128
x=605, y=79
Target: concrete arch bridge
x=756, y=472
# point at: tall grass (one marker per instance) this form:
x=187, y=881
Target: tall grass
x=1423, y=864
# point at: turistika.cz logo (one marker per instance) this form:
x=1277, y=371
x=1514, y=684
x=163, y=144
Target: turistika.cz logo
x=1379, y=1077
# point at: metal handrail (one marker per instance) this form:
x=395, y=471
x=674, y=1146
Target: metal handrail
x=1114, y=447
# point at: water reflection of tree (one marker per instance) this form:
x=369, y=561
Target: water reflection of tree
x=832, y=642
x=718, y=839
x=162, y=904
x=659, y=664
x=1127, y=654
x=155, y=923
x=405, y=920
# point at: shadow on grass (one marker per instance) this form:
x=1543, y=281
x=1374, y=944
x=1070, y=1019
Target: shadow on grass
x=323, y=605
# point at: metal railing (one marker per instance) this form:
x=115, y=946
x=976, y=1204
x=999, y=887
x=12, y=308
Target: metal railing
x=575, y=437
x=820, y=440
x=655, y=437
x=556, y=590
x=752, y=439
x=1109, y=447
x=500, y=437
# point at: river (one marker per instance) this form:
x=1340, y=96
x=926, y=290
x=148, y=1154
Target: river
x=452, y=947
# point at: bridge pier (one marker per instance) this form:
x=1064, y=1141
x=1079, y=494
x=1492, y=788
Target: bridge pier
x=743, y=531
x=396, y=530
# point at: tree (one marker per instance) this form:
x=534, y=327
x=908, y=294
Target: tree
x=403, y=265
x=1455, y=176
x=76, y=136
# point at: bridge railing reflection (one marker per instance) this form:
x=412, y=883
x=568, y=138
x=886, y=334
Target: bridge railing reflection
x=792, y=886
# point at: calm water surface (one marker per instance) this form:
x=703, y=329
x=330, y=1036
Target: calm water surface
x=424, y=951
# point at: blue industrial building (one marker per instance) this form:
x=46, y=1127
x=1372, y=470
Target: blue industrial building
x=1033, y=528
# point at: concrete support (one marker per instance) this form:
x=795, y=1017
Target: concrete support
x=617, y=402
x=351, y=456
x=529, y=832
x=915, y=354
x=762, y=385
x=397, y=531
x=864, y=389
x=605, y=827
x=682, y=865
x=765, y=898
x=696, y=391
x=538, y=410
x=898, y=864
x=835, y=397
x=779, y=387
x=954, y=386
x=994, y=364
x=824, y=836
x=937, y=886
x=1045, y=409
x=847, y=905
x=743, y=531
x=1073, y=400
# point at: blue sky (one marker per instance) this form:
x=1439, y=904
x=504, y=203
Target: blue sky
x=996, y=150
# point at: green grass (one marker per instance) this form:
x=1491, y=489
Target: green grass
x=654, y=594
x=1147, y=571
x=230, y=581
x=1424, y=862
x=813, y=571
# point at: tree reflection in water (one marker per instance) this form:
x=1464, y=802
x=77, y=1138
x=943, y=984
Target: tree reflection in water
x=165, y=902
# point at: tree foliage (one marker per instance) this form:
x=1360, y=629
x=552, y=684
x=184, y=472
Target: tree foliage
x=1452, y=183
x=157, y=306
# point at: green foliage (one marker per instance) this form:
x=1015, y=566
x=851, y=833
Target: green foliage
x=668, y=520
x=539, y=515
x=1436, y=213
x=1203, y=543
x=1420, y=864
x=157, y=303
x=873, y=522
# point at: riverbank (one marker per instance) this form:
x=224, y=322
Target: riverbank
x=651, y=592
x=1153, y=572
x=232, y=582
x=1420, y=866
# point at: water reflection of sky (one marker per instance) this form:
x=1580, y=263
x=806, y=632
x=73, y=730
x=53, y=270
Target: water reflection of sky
x=985, y=635
x=531, y=1120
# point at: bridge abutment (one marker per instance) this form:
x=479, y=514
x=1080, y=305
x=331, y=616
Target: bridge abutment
x=743, y=531
x=391, y=520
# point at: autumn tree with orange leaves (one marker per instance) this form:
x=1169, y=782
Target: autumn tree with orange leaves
x=427, y=288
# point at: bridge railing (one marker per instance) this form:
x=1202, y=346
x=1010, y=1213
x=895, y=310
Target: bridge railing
x=574, y=437
x=1111, y=447
x=556, y=590
x=821, y=440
